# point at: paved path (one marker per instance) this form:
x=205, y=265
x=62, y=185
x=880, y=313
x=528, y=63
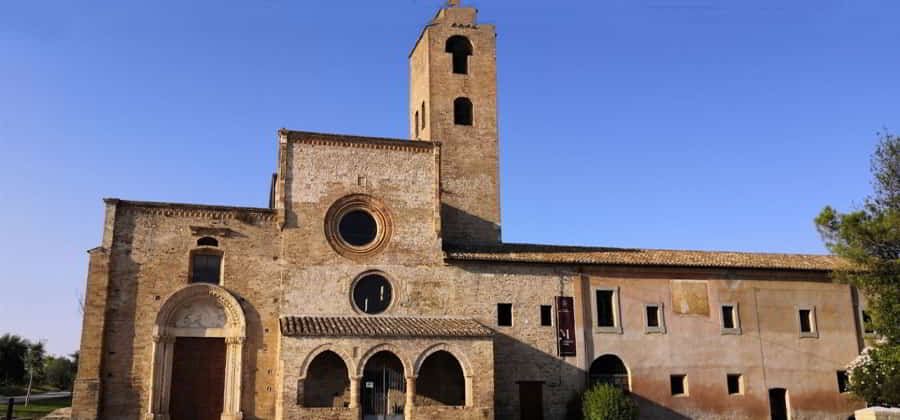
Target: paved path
x=20, y=399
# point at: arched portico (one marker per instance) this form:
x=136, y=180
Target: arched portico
x=459, y=358
x=197, y=311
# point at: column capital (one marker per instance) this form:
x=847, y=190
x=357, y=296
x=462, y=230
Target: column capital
x=235, y=340
x=163, y=338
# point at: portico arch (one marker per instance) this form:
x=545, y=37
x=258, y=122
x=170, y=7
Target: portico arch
x=360, y=366
x=460, y=359
x=197, y=310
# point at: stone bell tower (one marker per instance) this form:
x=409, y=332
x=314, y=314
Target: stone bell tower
x=453, y=100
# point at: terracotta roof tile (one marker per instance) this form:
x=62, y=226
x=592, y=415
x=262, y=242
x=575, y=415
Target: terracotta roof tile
x=643, y=257
x=381, y=326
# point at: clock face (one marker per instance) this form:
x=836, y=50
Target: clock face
x=372, y=294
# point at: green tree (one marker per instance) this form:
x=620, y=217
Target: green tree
x=12, y=359
x=607, y=402
x=59, y=372
x=869, y=240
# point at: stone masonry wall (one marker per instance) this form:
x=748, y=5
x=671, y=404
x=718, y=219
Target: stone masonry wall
x=149, y=260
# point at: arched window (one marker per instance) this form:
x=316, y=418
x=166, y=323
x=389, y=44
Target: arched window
x=327, y=383
x=441, y=381
x=423, y=115
x=207, y=241
x=611, y=370
x=461, y=49
x=462, y=111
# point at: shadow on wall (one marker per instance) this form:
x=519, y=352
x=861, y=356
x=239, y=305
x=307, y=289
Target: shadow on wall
x=464, y=221
x=117, y=357
x=254, y=348
x=563, y=384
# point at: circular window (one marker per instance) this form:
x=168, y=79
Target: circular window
x=372, y=293
x=357, y=226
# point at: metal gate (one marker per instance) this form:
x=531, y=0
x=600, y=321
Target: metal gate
x=383, y=388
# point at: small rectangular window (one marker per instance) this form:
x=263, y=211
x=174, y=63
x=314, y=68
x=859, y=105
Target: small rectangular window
x=504, y=314
x=654, y=321
x=867, y=323
x=652, y=316
x=735, y=384
x=731, y=321
x=605, y=317
x=727, y=316
x=843, y=381
x=679, y=384
x=805, y=320
x=206, y=268
x=416, y=118
x=546, y=315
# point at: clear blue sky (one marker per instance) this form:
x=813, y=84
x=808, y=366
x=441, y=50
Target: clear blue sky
x=693, y=124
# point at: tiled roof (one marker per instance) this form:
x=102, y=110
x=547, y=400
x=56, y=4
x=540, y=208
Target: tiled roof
x=643, y=257
x=381, y=326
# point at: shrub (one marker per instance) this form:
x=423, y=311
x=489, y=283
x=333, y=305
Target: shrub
x=875, y=375
x=606, y=402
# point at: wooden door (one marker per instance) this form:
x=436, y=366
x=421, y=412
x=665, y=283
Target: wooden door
x=198, y=379
x=531, y=400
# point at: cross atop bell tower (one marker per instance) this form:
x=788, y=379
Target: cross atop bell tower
x=453, y=100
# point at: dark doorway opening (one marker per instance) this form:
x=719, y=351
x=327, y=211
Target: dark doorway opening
x=327, y=382
x=609, y=369
x=441, y=381
x=778, y=403
x=531, y=400
x=383, y=388
x=198, y=379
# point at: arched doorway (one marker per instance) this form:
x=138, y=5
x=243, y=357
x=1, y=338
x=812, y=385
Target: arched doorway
x=197, y=345
x=611, y=370
x=383, y=394
x=441, y=381
x=327, y=382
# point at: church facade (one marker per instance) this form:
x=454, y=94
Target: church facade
x=375, y=285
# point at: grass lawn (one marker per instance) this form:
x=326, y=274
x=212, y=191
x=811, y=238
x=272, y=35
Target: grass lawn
x=36, y=409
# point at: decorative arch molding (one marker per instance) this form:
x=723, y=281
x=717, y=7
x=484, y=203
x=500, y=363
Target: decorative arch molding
x=463, y=363
x=197, y=310
x=361, y=366
x=460, y=357
x=348, y=361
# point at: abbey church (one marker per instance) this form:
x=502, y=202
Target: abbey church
x=375, y=286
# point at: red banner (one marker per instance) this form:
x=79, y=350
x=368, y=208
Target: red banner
x=565, y=325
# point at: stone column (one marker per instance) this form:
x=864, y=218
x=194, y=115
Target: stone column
x=232, y=400
x=470, y=394
x=354, y=391
x=410, y=397
x=161, y=377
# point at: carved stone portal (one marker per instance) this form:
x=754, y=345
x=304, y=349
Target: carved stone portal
x=197, y=310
